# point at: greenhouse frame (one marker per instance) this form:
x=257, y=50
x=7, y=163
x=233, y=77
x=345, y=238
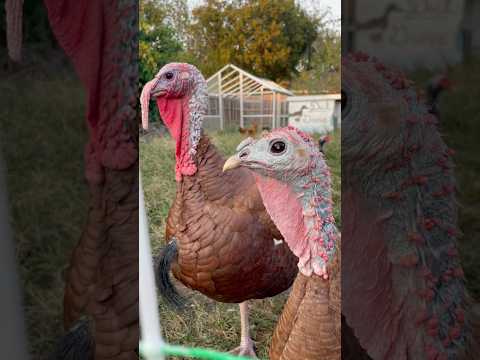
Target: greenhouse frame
x=240, y=99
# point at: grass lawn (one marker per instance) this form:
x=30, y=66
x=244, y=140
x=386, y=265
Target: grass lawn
x=460, y=125
x=205, y=322
x=41, y=138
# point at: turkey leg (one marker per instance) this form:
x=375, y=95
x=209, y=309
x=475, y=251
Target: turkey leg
x=247, y=347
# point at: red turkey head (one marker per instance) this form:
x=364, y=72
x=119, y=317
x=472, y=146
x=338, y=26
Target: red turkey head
x=181, y=94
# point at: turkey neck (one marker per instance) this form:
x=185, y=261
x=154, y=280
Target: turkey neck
x=183, y=118
x=309, y=326
x=308, y=226
x=209, y=182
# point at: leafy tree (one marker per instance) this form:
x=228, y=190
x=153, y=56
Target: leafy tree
x=323, y=73
x=158, y=44
x=266, y=37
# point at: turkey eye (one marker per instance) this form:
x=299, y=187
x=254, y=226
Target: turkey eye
x=277, y=147
x=169, y=75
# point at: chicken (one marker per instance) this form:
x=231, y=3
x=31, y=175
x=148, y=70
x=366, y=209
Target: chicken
x=400, y=262
x=434, y=89
x=325, y=139
x=102, y=278
x=250, y=131
x=221, y=241
x=291, y=174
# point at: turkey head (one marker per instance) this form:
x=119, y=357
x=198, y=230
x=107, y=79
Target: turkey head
x=181, y=95
x=291, y=174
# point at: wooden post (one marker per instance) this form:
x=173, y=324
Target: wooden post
x=220, y=101
x=241, y=101
x=262, y=110
x=274, y=109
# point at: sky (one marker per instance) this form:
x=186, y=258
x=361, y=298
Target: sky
x=333, y=5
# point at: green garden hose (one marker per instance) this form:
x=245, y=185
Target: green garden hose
x=174, y=350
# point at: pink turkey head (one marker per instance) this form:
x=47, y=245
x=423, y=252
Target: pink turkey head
x=174, y=80
x=283, y=154
x=181, y=94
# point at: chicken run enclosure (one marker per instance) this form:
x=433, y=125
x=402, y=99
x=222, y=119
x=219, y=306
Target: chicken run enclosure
x=240, y=99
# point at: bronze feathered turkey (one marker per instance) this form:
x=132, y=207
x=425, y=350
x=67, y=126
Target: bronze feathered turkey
x=294, y=182
x=222, y=242
x=404, y=294
x=101, y=291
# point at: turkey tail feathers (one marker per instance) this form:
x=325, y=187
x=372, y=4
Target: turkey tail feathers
x=76, y=344
x=167, y=290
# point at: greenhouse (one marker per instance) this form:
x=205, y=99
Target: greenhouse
x=240, y=99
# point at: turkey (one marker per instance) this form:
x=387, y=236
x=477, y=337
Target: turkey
x=221, y=241
x=292, y=174
x=101, y=291
x=400, y=260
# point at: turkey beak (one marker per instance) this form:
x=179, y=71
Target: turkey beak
x=231, y=163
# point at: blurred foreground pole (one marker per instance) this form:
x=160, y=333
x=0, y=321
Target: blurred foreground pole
x=149, y=320
x=13, y=342
x=14, y=13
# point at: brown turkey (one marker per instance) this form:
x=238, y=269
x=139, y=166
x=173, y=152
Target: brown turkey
x=400, y=260
x=221, y=241
x=295, y=184
x=101, y=290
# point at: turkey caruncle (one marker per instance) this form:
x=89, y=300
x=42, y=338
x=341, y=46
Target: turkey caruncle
x=221, y=241
x=403, y=286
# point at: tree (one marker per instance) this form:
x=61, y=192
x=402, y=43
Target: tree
x=266, y=37
x=323, y=73
x=158, y=44
x=160, y=40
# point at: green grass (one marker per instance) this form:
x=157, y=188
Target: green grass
x=207, y=323
x=42, y=137
x=460, y=127
x=460, y=114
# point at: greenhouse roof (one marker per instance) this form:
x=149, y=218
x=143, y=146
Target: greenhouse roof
x=233, y=81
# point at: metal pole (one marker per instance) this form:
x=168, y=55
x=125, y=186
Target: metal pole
x=149, y=319
x=274, y=109
x=13, y=340
x=220, y=101
x=262, y=109
x=241, y=101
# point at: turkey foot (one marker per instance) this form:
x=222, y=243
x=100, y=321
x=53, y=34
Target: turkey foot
x=247, y=346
